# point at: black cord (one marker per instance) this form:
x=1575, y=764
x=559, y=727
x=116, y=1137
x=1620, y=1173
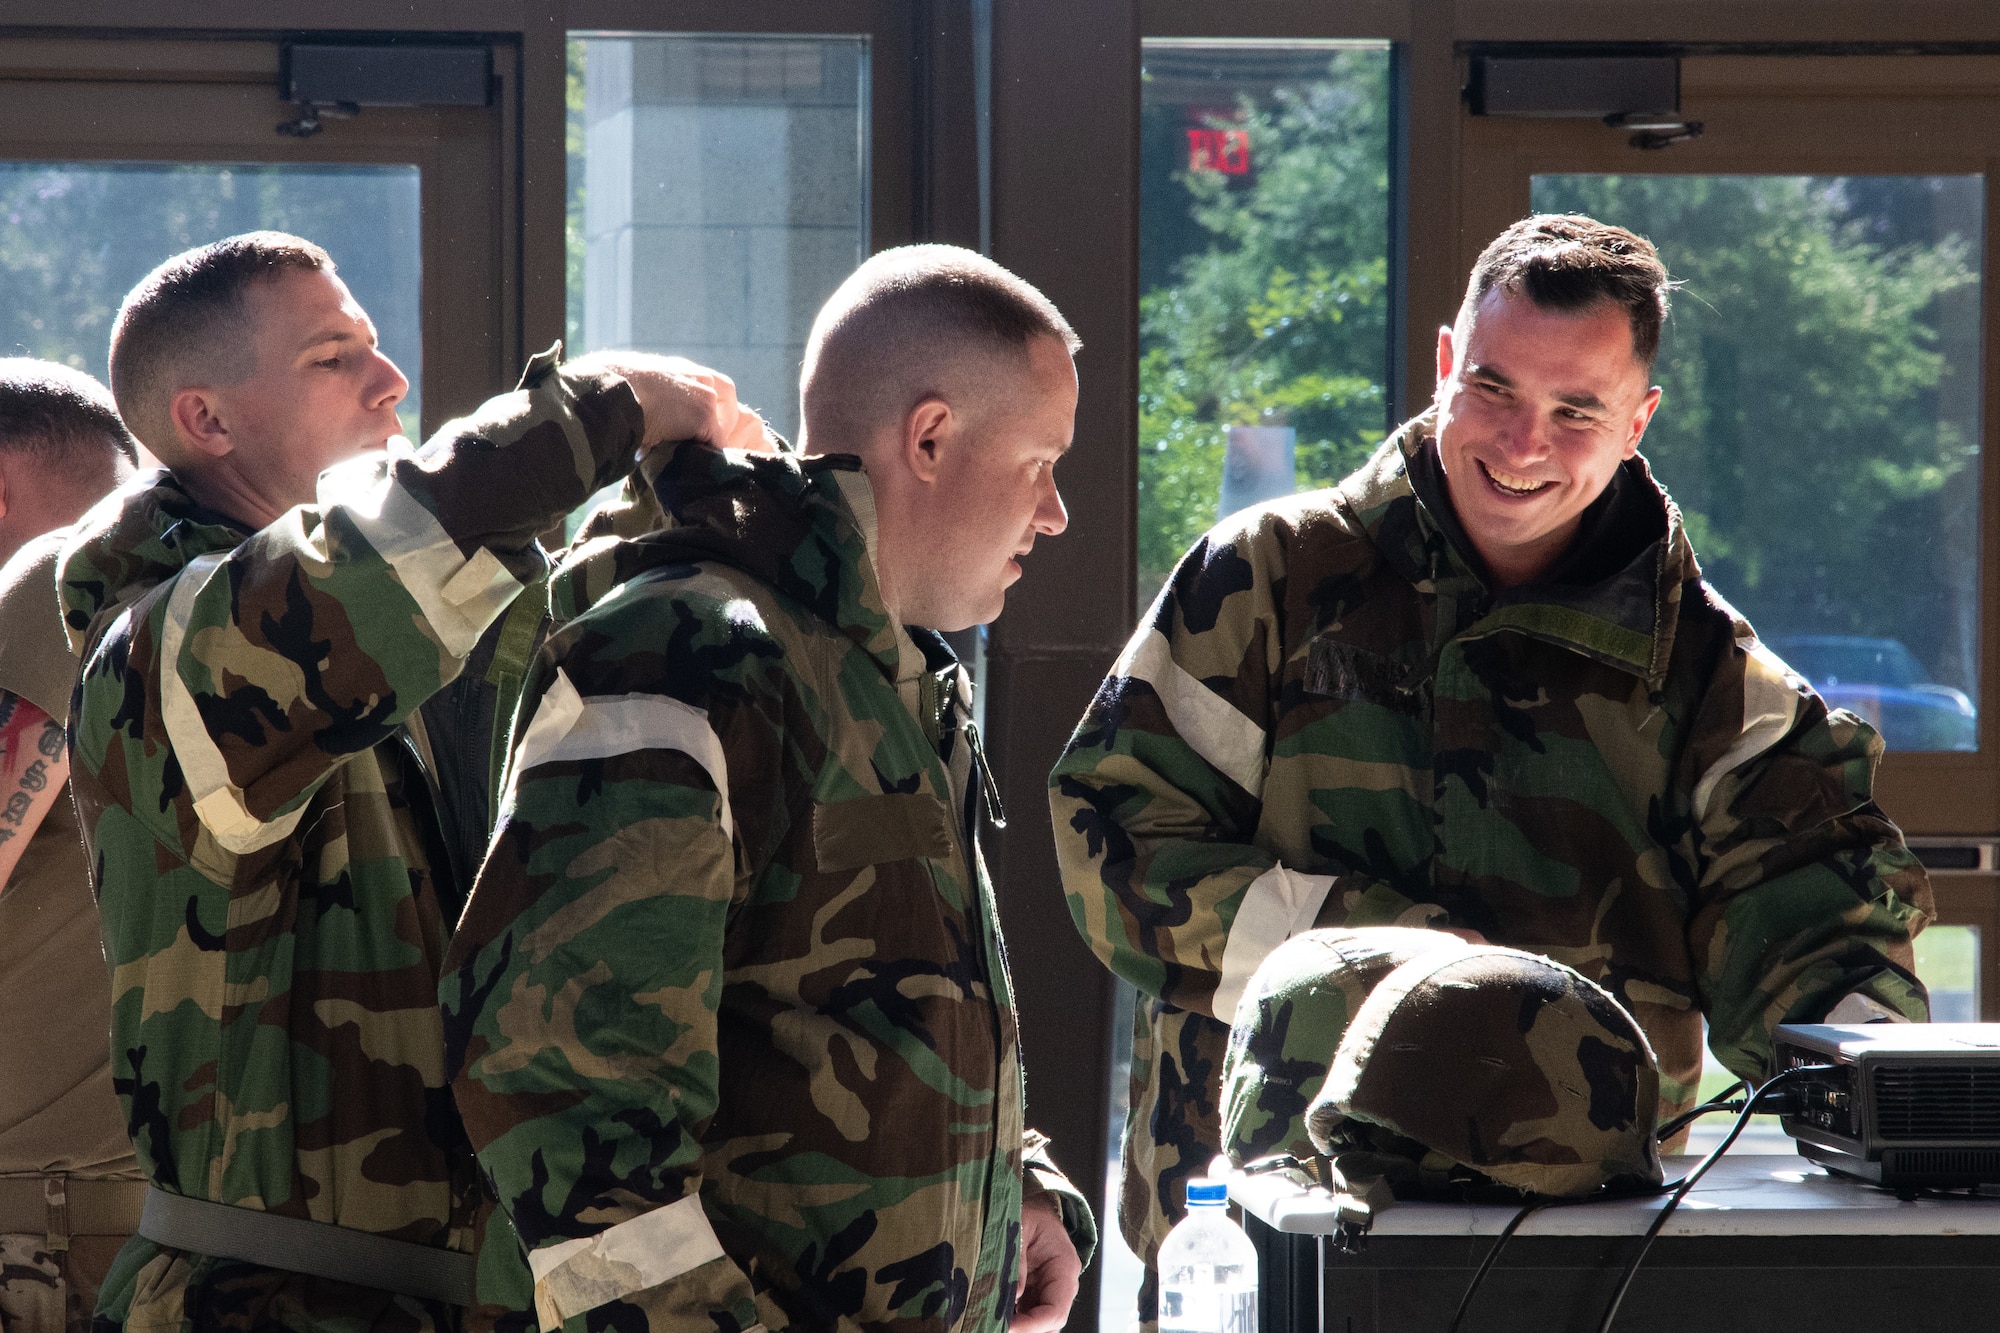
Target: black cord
x=1720, y=1102
x=1681, y=1187
x=1479, y=1276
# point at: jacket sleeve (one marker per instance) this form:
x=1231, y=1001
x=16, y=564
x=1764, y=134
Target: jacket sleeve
x=1157, y=798
x=317, y=636
x=1042, y=1178
x=580, y=997
x=1802, y=890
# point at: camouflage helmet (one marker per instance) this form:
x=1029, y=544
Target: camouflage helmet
x=1289, y=1022
x=1503, y=1061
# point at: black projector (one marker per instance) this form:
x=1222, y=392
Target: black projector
x=1907, y=1106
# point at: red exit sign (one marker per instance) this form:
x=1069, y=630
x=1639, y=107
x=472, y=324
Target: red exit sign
x=1226, y=151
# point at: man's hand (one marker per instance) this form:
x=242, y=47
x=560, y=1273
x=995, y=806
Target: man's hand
x=682, y=400
x=1050, y=1269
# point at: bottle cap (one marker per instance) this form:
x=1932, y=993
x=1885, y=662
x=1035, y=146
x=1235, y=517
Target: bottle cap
x=1207, y=1192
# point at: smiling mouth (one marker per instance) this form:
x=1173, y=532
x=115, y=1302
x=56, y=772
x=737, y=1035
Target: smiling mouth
x=1507, y=483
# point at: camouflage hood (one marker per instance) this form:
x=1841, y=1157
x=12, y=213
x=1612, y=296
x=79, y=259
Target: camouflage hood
x=130, y=542
x=1615, y=597
x=804, y=527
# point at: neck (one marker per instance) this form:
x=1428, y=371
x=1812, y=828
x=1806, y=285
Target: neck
x=226, y=491
x=1514, y=566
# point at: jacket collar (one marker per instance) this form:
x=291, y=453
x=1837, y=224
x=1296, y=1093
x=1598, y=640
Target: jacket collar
x=1614, y=596
x=803, y=526
x=133, y=540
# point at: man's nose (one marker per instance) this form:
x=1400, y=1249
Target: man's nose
x=388, y=386
x=1526, y=437
x=1050, y=515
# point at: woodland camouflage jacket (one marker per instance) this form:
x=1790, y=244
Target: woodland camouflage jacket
x=1327, y=718
x=270, y=850
x=738, y=1045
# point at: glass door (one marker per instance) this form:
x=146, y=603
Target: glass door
x=1826, y=394
x=117, y=154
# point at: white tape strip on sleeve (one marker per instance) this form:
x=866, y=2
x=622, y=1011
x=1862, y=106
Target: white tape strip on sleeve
x=582, y=1274
x=459, y=597
x=218, y=802
x=1209, y=723
x=1279, y=904
x=568, y=727
x=1770, y=706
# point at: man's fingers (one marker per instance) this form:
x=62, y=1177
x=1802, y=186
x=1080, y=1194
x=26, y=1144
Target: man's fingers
x=1044, y=1307
x=1051, y=1270
x=747, y=432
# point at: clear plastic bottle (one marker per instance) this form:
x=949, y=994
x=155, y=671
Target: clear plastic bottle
x=1208, y=1268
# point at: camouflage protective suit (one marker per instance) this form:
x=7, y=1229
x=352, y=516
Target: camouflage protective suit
x=271, y=854
x=738, y=1045
x=1328, y=717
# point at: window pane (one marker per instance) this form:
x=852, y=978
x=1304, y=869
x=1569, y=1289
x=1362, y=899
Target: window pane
x=75, y=236
x=1263, y=263
x=1820, y=427
x=718, y=194
x=1948, y=965
x=1264, y=332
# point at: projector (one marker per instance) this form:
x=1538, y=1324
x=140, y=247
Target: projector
x=1907, y=1106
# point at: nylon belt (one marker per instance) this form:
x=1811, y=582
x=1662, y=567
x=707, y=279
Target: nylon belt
x=296, y=1245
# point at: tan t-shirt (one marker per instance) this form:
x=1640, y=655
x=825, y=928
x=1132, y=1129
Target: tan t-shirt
x=57, y=1109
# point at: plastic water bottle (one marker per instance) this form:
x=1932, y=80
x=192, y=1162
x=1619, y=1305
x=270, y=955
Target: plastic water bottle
x=1208, y=1268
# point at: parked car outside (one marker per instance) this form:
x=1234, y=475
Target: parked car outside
x=1882, y=681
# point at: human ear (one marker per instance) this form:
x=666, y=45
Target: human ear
x=929, y=422
x=1444, y=356
x=194, y=413
x=1641, y=419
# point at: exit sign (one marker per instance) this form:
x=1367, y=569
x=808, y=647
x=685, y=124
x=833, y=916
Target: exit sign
x=1226, y=151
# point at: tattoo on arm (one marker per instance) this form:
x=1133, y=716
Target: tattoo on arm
x=34, y=772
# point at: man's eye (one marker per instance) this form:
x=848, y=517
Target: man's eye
x=328, y=363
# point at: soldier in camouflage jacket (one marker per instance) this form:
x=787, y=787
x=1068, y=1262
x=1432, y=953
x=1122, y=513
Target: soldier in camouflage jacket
x=732, y=1027
x=259, y=792
x=1335, y=714
x=734, y=956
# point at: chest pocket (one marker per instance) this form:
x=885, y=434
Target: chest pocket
x=1341, y=671
x=871, y=830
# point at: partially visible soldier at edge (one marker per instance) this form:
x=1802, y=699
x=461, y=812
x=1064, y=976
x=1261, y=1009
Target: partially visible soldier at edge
x=275, y=827
x=752, y=741
x=70, y=1188
x=1480, y=685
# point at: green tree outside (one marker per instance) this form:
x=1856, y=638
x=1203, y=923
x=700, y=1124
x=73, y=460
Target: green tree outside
x=1819, y=424
x=1273, y=306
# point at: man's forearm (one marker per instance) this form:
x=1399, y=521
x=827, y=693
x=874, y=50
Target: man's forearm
x=34, y=771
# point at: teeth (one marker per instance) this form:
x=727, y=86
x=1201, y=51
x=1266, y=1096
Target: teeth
x=1512, y=484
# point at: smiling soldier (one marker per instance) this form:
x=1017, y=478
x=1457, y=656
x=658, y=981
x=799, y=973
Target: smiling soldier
x=1480, y=686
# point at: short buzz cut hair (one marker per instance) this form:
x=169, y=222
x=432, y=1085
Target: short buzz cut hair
x=903, y=317
x=61, y=418
x=1569, y=262
x=184, y=324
